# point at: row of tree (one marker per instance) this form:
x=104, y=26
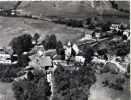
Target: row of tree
x=50, y=42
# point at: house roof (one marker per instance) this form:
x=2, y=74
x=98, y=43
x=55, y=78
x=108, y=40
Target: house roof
x=57, y=57
x=45, y=61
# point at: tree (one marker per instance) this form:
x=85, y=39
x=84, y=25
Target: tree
x=52, y=41
x=88, y=54
x=88, y=21
x=30, y=75
x=36, y=37
x=72, y=84
x=45, y=42
x=43, y=89
x=59, y=47
x=102, y=51
x=114, y=4
x=106, y=26
x=21, y=43
x=23, y=60
x=35, y=89
x=123, y=49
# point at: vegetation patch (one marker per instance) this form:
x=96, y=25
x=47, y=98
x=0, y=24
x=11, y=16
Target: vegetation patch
x=73, y=84
x=35, y=87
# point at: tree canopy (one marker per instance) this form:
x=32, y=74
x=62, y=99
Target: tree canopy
x=21, y=43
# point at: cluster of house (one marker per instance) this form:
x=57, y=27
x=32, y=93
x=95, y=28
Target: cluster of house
x=42, y=59
x=117, y=28
x=48, y=60
x=97, y=59
x=97, y=34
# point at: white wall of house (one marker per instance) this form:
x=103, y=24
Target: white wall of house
x=4, y=56
x=75, y=48
x=5, y=59
x=79, y=59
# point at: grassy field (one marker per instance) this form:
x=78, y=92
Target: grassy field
x=11, y=27
x=99, y=92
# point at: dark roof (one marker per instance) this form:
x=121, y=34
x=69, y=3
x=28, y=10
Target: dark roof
x=57, y=57
x=80, y=54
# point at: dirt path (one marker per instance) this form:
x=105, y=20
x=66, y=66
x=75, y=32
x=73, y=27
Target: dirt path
x=98, y=92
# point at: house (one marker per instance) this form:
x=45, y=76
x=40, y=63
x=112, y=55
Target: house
x=126, y=32
x=5, y=58
x=80, y=60
x=50, y=52
x=68, y=50
x=126, y=35
x=45, y=61
x=98, y=61
x=75, y=48
x=86, y=37
x=96, y=34
x=41, y=62
x=36, y=49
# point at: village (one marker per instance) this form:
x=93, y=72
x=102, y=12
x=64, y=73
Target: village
x=56, y=56
x=7, y=56
x=70, y=55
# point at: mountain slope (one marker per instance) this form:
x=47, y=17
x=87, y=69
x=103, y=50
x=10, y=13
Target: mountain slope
x=69, y=8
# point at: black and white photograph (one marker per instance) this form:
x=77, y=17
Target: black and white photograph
x=65, y=50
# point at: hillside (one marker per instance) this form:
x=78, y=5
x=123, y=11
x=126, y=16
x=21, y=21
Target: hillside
x=124, y=5
x=68, y=8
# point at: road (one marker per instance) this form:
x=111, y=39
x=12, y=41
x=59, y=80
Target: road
x=6, y=92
